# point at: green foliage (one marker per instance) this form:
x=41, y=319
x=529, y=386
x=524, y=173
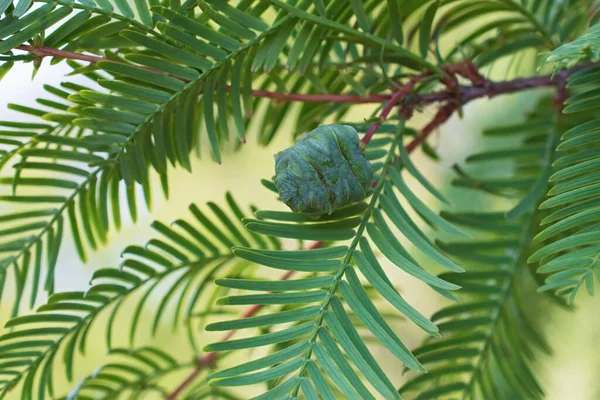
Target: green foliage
x=331, y=348
x=137, y=373
x=161, y=82
x=142, y=367
x=489, y=342
x=569, y=251
x=584, y=48
x=189, y=253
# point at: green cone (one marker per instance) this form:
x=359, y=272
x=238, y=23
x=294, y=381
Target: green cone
x=323, y=171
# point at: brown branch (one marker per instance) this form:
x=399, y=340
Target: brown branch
x=480, y=88
x=452, y=94
x=322, y=98
x=457, y=97
x=443, y=115
x=382, y=117
x=45, y=51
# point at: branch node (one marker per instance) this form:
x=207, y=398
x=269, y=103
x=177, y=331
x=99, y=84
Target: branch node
x=562, y=93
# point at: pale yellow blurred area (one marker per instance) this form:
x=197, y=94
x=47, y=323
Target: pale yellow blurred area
x=571, y=374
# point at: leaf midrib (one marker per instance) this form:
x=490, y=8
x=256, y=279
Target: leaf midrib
x=526, y=239
x=94, y=173
x=216, y=66
x=346, y=262
x=534, y=21
x=101, y=11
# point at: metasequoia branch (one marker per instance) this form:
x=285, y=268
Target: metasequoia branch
x=452, y=98
x=396, y=98
x=209, y=359
x=480, y=88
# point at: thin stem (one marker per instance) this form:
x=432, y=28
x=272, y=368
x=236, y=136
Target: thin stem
x=349, y=254
x=394, y=100
x=440, y=118
x=534, y=21
x=322, y=98
x=480, y=88
x=188, y=380
x=382, y=117
x=531, y=228
x=45, y=51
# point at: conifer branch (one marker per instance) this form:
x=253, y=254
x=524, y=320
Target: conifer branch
x=166, y=75
x=443, y=115
x=479, y=88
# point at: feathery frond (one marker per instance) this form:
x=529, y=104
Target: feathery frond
x=60, y=178
x=569, y=247
x=129, y=372
x=488, y=340
x=329, y=343
x=487, y=31
x=166, y=82
x=66, y=26
x=585, y=48
x=170, y=78
x=60, y=327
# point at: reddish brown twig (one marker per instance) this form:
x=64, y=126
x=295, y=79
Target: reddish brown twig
x=480, y=88
x=452, y=93
x=394, y=100
x=322, y=98
x=561, y=96
x=467, y=70
x=399, y=95
x=443, y=115
x=45, y=51
x=454, y=99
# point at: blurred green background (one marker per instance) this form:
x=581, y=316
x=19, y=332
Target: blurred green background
x=570, y=374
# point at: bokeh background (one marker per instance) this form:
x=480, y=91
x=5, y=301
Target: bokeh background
x=570, y=374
